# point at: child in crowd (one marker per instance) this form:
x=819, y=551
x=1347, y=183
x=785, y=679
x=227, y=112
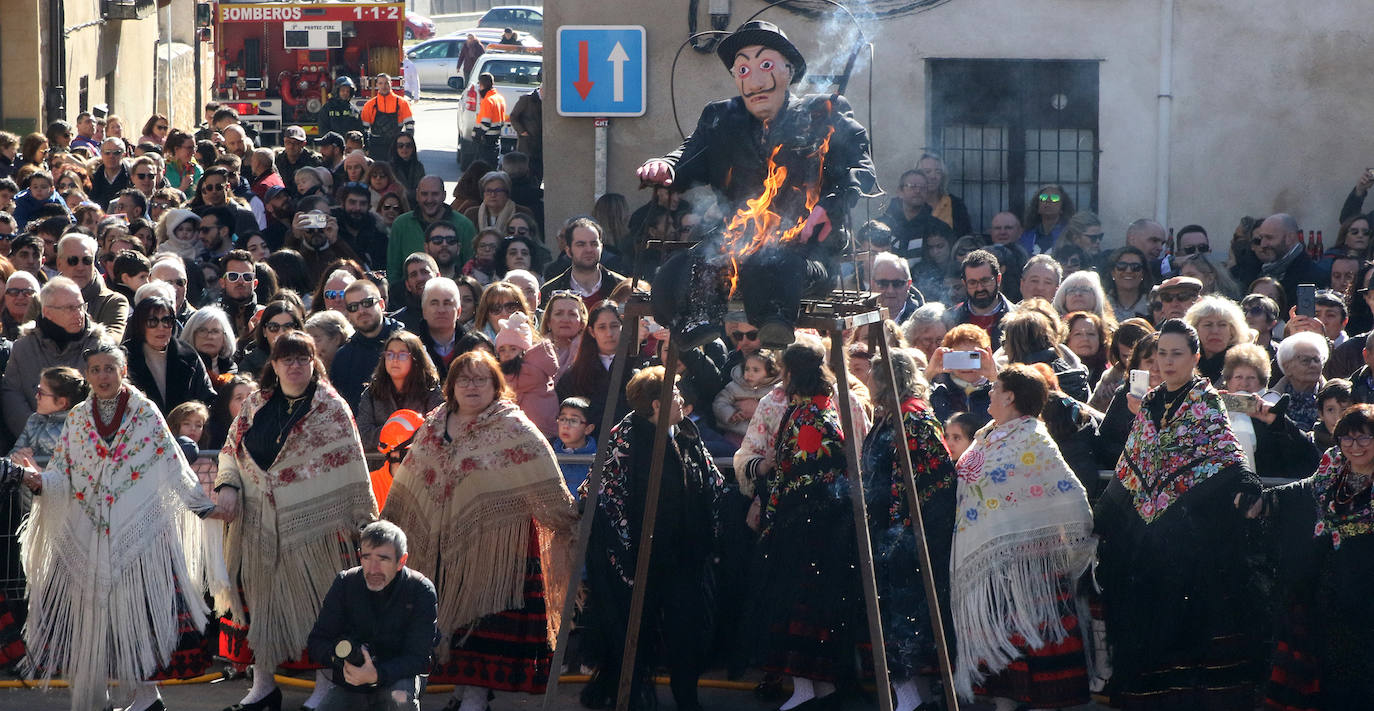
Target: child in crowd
x=188, y=420
x=575, y=437
x=734, y=405
x=40, y=191
x=59, y=389
x=1332, y=399
x=959, y=430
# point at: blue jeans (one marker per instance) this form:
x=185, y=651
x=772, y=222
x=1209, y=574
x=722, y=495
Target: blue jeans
x=402, y=695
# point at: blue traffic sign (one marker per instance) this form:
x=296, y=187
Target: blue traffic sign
x=601, y=70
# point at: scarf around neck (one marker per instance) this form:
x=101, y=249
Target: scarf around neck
x=1023, y=535
x=1339, y=522
x=1171, y=451
x=498, y=221
x=467, y=505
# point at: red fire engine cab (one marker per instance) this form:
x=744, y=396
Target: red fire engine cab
x=276, y=62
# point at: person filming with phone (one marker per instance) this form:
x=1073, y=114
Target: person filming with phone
x=377, y=627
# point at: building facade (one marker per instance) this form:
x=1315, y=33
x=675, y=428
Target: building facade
x=1187, y=111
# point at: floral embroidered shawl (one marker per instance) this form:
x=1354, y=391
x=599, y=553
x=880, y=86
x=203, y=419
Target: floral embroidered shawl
x=1023, y=535
x=810, y=454
x=1162, y=461
x=466, y=506
x=299, y=523
x=109, y=546
x=1331, y=520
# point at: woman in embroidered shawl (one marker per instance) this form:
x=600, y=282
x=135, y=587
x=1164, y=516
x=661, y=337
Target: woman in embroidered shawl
x=807, y=595
x=293, y=466
x=1322, y=533
x=1175, y=581
x=911, y=653
x=1022, y=539
x=681, y=593
x=115, y=555
x=490, y=522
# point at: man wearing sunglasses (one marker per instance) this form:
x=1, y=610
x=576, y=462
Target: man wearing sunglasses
x=237, y=296
x=170, y=269
x=1190, y=240
x=112, y=176
x=76, y=261
x=357, y=359
x=1174, y=297
x=892, y=280
x=359, y=226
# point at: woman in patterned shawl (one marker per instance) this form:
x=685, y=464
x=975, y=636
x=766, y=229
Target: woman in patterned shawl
x=1174, y=575
x=293, y=465
x=1022, y=540
x=490, y=522
x=114, y=552
x=681, y=581
x=807, y=593
x=1322, y=530
x=906, y=614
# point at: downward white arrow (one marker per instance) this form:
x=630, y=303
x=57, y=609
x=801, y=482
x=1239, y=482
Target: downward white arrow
x=618, y=58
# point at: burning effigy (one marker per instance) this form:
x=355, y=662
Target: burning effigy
x=789, y=168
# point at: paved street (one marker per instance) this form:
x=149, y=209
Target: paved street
x=436, y=132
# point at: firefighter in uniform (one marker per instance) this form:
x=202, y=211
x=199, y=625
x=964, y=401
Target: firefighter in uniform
x=339, y=115
x=491, y=118
x=387, y=116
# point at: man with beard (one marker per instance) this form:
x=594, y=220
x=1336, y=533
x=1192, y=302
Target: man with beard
x=319, y=245
x=986, y=306
x=442, y=243
x=387, y=116
x=216, y=189
x=1278, y=244
x=587, y=277
x=331, y=147
x=825, y=152
x=357, y=359
x=216, y=232
x=360, y=227
x=238, y=297
x=278, y=210
x=408, y=231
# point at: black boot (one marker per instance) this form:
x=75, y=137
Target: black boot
x=689, y=298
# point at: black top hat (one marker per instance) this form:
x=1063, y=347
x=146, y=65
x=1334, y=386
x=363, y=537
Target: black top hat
x=762, y=33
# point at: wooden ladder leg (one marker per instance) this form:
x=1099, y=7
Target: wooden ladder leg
x=894, y=405
x=628, y=336
x=856, y=497
x=646, y=530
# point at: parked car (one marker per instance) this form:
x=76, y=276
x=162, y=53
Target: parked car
x=436, y=61
x=418, y=27
x=515, y=74
x=522, y=18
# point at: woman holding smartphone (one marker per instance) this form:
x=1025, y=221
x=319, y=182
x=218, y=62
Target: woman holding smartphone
x=1173, y=567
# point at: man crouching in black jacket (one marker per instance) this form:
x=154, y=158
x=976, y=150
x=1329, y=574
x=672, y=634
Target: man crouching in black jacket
x=376, y=628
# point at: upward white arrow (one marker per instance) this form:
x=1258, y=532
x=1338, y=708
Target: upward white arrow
x=618, y=58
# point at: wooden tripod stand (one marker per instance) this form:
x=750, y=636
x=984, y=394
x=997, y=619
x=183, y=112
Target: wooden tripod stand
x=840, y=312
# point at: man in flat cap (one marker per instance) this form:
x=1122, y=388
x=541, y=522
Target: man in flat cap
x=737, y=143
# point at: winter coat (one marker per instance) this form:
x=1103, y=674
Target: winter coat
x=186, y=376
x=725, y=407
x=26, y=205
x=34, y=352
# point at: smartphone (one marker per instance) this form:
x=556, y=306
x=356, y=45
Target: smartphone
x=1243, y=403
x=1271, y=397
x=1140, y=383
x=1307, y=300
x=314, y=221
x=963, y=360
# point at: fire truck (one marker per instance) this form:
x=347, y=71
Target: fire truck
x=276, y=62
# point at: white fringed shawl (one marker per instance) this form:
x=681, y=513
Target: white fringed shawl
x=104, y=547
x=299, y=523
x=1023, y=533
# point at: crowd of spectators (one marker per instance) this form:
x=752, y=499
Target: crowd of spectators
x=197, y=252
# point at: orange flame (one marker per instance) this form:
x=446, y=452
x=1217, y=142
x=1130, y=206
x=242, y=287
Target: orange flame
x=757, y=226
